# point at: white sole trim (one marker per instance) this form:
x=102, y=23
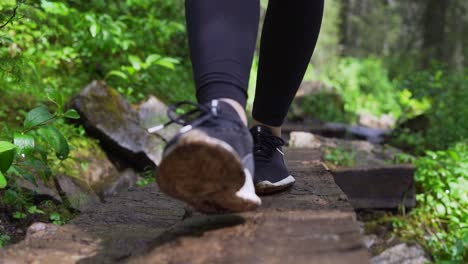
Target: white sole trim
x=247, y=191
x=286, y=181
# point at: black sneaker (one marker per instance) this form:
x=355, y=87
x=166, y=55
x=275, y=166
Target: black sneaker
x=209, y=163
x=271, y=174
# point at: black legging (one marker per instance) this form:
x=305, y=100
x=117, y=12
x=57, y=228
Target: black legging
x=222, y=36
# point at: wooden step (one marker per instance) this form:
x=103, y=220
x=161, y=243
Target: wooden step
x=310, y=223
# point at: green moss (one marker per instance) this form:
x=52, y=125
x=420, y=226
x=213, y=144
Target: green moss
x=83, y=149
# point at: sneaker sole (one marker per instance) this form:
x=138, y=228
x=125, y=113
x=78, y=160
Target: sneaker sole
x=267, y=187
x=204, y=173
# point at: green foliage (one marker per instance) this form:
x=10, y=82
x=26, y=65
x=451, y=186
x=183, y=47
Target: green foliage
x=340, y=157
x=147, y=177
x=440, y=222
x=4, y=240
x=364, y=85
x=30, y=147
x=326, y=106
x=358, y=86
x=403, y=158
x=145, y=181
x=30, y=210
x=34, y=210
x=57, y=219
x=61, y=45
x=19, y=215
x=50, y=50
x=441, y=96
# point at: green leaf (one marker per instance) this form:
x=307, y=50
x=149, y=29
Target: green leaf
x=55, y=216
x=94, y=30
x=167, y=63
x=3, y=181
x=7, y=153
x=6, y=146
x=453, y=155
x=152, y=58
x=57, y=97
x=25, y=143
x=56, y=140
x=37, y=116
x=135, y=61
x=55, y=8
x=19, y=215
x=118, y=74
x=72, y=114
x=10, y=197
x=34, y=210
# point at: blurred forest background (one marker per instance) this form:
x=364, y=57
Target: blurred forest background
x=406, y=60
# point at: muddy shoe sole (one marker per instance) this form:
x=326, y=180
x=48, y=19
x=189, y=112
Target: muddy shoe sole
x=207, y=174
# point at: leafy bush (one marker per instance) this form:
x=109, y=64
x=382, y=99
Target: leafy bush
x=29, y=150
x=441, y=96
x=364, y=85
x=440, y=222
x=51, y=49
x=62, y=45
x=31, y=153
x=324, y=105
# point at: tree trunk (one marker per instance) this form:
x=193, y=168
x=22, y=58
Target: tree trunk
x=434, y=31
x=345, y=13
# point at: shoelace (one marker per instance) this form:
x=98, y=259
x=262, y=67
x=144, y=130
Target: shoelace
x=191, y=118
x=265, y=145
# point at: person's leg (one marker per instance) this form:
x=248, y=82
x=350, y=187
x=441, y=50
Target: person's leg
x=290, y=32
x=222, y=36
x=289, y=35
x=209, y=163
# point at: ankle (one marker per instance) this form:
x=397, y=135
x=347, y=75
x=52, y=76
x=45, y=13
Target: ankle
x=276, y=131
x=238, y=107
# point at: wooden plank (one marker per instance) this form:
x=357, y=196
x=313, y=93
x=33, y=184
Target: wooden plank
x=310, y=223
x=377, y=187
x=263, y=237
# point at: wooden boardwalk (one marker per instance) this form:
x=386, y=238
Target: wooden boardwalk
x=311, y=223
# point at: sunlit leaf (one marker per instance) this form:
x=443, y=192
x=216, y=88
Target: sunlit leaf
x=3, y=181
x=6, y=146
x=167, y=63
x=135, y=61
x=72, y=114
x=152, y=58
x=55, y=7
x=24, y=142
x=94, y=30
x=34, y=210
x=453, y=155
x=118, y=74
